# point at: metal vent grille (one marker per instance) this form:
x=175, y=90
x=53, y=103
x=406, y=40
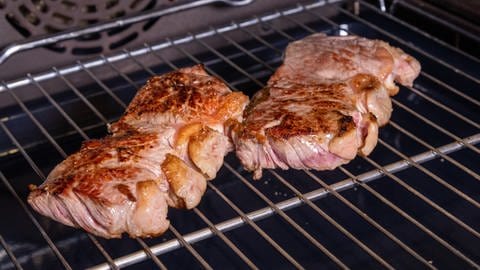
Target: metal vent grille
x=413, y=203
x=35, y=17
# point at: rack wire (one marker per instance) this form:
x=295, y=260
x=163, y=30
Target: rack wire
x=391, y=177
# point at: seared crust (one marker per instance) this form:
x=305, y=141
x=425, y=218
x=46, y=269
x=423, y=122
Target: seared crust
x=179, y=92
x=188, y=95
x=205, y=149
x=186, y=183
x=296, y=109
x=84, y=171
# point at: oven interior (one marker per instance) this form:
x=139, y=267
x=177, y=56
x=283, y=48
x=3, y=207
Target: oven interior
x=413, y=203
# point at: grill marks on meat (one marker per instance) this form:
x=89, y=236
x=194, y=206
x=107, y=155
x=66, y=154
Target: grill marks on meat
x=160, y=153
x=323, y=105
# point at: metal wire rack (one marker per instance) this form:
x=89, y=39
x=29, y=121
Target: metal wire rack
x=413, y=203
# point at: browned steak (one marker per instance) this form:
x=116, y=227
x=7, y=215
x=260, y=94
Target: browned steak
x=160, y=153
x=323, y=105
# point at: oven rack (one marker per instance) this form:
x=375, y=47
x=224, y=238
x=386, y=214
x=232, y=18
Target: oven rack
x=457, y=149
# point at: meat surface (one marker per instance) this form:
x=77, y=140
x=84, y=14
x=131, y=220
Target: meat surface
x=323, y=105
x=161, y=152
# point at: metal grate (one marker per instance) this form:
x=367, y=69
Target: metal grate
x=33, y=18
x=422, y=210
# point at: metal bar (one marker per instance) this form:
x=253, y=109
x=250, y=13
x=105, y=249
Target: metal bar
x=196, y=210
x=241, y=48
x=418, y=30
x=381, y=3
x=445, y=108
x=121, y=56
x=228, y=61
x=357, y=180
x=189, y=247
x=287, y=218
x=441, y=21
x=81, y=96
x=250, y=222
x=150, y=254
x=102, y=85
x=451, y=160
x=451, y=88
x=260, y=39
x=64, y=155
x=10, y=254
x=35, y=121
x=265, y=212
x=206, y=65
x=334, y=223
x=406, y=108
x=125, y=77
x=431, y=174
x=401, y=212
x=22, y=151
x=425, y=199
x=432, y=204
x=44, y=40
x=227, y=241
x=59, y=108
x=371, y=221
x=23, y=205
x=34, y=144
x=195, y=60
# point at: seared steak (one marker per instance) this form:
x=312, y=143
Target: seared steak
x=323, y=105
x=160, y=153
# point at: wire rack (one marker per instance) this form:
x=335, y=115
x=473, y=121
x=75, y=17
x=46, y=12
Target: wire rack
x=413, y=203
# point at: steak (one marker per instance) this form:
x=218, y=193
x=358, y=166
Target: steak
x=323, y=105
x=161, y=152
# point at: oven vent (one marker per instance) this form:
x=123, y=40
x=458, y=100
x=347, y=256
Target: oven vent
x=38, y=17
